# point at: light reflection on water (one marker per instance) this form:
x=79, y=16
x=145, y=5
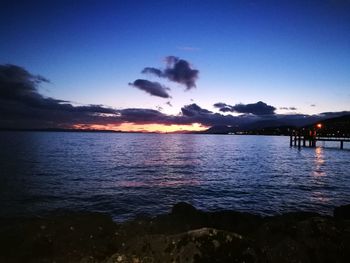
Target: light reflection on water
x=319, y=196
x=129, y=174
x=319, y=162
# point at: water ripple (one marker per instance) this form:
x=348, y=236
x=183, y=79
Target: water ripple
x=133, y=174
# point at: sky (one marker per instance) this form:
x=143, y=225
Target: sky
x=229, y=62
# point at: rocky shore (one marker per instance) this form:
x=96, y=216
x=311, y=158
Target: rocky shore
x=184, y=235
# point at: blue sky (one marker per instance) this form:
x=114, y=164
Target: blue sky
x=284, y=53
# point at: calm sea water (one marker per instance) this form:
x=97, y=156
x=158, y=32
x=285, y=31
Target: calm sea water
x=131, y=174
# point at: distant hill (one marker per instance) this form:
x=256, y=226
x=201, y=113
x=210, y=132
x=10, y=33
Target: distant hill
x=266, y=124
x=220, y=129
x=331, y=126
x=338, y=126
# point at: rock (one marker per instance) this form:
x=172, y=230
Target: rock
x=200, y=245
x=308, y=239
x=242, y=223
x=63, y=239
x=184, y=235
x=183, y=209
x=342, y=212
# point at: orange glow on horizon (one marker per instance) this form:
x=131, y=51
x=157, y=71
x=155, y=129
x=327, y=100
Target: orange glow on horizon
x=130, y=127
x=319, y=125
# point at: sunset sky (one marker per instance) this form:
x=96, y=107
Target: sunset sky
x=291, y=56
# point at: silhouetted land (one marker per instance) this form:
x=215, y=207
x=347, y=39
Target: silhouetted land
x=184, y=235
x=65, y=130
x=333, y=126
x=339, y=126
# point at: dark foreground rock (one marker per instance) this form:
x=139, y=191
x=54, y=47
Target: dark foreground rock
x=342, y=212
x=184, y=235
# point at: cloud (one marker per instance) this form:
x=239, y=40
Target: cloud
x=333, y=114
x=194, y=109
x=288, y=108
x=153, y=71
x=18, y=84
x=142, y=116
x=313, y=105
x=177, y=70
x=22, y=105
x=220, y=105
x=223, y=107
x=195, y=114
x=259, y=108
x=169, y=104
x=153, y=88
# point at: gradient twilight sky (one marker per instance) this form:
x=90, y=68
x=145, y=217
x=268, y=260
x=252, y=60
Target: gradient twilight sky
x=284, y=53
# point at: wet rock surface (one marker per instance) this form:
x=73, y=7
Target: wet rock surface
x=184, y=235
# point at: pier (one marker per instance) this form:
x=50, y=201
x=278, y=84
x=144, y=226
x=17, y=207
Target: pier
x=309, y=138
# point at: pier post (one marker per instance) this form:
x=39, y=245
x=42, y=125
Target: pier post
x=291, y=140
x=341, y=144
x=299, y=141
x=312, y=143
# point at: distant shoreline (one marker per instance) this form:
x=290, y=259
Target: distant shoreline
x=65, y=130
x=337, y=125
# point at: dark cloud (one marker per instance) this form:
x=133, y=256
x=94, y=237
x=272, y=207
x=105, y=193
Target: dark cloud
x=180, y=71
x=313, y=105
x=21, y=103
x=177, y=70
x=220, y=105
x=169, y=104
x=153, y=71
x=153, y=88
x=17, y=75
x=333, y=114
x=259, y=108
x=141, y=116
x=223, y=107
x=194, y=109
x=288, y=108
x=193, y=113
x=18, y=84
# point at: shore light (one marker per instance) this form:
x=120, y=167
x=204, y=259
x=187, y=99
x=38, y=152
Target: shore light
x=319, y=125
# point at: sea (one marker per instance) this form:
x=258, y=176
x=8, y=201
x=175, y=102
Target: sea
x=128, y=175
